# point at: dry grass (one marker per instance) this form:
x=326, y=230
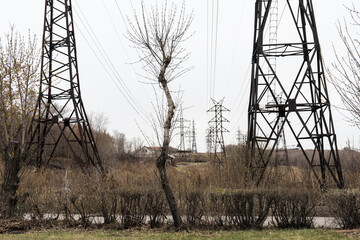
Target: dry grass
x=132, y=190
x=146, y=234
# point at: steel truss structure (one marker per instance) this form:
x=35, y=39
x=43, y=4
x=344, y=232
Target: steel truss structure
x=60, y=116
x=217, y=130
x=209, y=138
x=193, y=138
x=304, y=108
x=181, y=120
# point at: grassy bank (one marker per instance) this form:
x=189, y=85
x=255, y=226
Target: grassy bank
x=313, y=234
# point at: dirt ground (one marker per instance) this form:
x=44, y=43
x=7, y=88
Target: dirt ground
x=14, y=226
x=354, y=233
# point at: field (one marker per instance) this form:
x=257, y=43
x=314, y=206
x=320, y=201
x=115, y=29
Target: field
x=265, y=234
x=208, y=196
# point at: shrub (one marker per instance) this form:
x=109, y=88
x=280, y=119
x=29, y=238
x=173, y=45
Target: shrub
x=345, y=206
x=215, y=209
x=155, y=207
x=250, y=208
x=194, y=207
x=36, y=197
x=244, y=209
x=109, y=202
x=131, y=208
x=294, y=209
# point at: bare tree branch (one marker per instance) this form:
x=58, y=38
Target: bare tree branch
x=345, y=72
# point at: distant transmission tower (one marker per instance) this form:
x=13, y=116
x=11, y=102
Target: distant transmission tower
x=210, y=139
x=217, y=122
x=193, y=138
x=181, y=147
x=299, y=78
x=60, y=114
x=189, y=138
x=241, y=138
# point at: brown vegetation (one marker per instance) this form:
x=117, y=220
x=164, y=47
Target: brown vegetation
x=19, y=63
x=208, y=195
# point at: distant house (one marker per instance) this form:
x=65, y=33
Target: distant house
x=147, y=152
x=153, y=152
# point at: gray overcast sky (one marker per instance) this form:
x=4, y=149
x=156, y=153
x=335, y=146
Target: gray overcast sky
x=234, y=44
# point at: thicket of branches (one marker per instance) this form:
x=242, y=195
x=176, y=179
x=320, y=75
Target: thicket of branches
x=345, y=73
x=19, y=78
x=208, y=197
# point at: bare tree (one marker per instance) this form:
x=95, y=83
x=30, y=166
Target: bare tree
x=158, y=35
x=19, y=64
x=99, y=122
x=345, y=75
x=119, y=145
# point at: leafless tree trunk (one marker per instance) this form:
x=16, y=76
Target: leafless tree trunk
x=157, y=35
x=11, y=180
x=345, y=72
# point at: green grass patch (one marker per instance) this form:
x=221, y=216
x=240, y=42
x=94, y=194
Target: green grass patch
x=314, y=234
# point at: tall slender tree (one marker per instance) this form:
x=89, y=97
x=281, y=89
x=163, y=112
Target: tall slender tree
x=158, y=35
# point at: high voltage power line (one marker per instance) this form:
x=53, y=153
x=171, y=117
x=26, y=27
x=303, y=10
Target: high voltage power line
x=106, y=63
x=212, y=46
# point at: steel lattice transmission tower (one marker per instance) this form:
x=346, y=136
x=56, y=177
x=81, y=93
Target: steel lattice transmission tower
x=210, y=139
x=193, y=138
x=299, y=78
x=217, y=131
x=181, y=147
x=60, y=114
x=241, y=138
